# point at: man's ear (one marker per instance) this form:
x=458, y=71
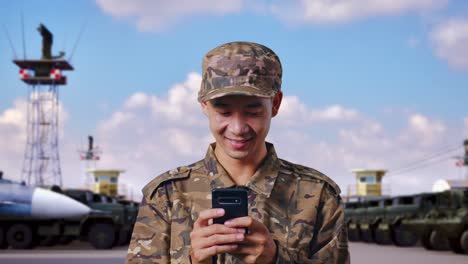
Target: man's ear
x=276, y=103
x=204, y=106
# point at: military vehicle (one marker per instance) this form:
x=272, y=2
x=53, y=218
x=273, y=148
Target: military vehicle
x=439, y=220
x=446, y=224
x=111, y=223
x=351, y=221
x=31, y=215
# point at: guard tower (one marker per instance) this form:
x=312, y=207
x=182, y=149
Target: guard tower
x=90, y=157
x=106, y=181
x=41, y=164
x=369, y=182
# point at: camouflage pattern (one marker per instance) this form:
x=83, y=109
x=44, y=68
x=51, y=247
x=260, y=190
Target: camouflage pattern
x=243, y=68
x=300, y=206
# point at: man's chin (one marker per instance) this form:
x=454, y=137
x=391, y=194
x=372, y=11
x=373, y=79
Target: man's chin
x=238, y=155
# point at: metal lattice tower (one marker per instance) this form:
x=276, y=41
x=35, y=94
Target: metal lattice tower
x=41, y=164
x=90, y=157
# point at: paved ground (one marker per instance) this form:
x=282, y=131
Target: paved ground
x=361, y=253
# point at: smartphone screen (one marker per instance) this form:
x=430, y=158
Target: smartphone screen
x=232, y=200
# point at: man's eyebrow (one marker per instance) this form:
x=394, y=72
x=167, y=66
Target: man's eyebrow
x=219, y=104
x=254, y=105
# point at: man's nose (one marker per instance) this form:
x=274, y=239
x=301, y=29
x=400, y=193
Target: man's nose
x=238, y=125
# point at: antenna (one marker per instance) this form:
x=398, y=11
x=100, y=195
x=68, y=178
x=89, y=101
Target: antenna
x=64, y=44
x=78, y=39
x=22, y=32
x=11, y=43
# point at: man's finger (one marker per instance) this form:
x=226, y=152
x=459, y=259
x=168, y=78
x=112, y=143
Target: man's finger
x=204, y=254
x=221, y=240
x=245, y=221
x=218, y=229
x=206, y=215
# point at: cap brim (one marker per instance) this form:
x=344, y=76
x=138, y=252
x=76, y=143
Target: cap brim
x=237, y=90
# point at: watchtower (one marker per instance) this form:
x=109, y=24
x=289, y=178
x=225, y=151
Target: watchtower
x=89, y=156
x=41, y=164
x=106, y=181
x=369, y=182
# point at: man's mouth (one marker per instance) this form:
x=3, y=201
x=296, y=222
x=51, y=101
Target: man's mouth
x=239, y=143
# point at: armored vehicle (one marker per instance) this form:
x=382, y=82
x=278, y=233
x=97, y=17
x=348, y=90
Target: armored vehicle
x=352, y=221
x=111, y=223
x=446, y=223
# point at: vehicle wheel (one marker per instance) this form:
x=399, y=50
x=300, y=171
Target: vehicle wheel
x=20, y=236
x=464, y=241
x=382, y=237
x=366, y=235
x=48, y=241
x=65, y=240
x=426, y=239
x=353, y=234
x=459, y=244
x=403, y=237
x=3, y=242
x=438, y=241
x=101, y=236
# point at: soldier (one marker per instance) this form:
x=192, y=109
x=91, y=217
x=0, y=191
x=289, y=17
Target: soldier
x=295, y=213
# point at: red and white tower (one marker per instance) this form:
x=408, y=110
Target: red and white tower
x=41, y=164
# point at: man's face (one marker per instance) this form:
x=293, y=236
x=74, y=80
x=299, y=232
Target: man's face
x=240, y=124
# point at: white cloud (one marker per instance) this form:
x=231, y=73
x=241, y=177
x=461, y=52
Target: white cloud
x=150, y=134
x=334, y=112
x=341, y=11
x=294, y=112
x=137, y=100
x=450, y=40
x=181, y=103
x=13, y=132
x=156, y=15
x=167, y=131
x=425, y=130
x=13, y=127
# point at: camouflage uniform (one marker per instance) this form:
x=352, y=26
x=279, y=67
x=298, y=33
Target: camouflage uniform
x=300, y=206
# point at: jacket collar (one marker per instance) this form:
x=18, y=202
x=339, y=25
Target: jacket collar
x=261, y=182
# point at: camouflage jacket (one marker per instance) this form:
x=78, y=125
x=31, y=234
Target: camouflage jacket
x=300, y=206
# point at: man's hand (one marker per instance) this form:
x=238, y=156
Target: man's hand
x=209, y=239
x=258, y=245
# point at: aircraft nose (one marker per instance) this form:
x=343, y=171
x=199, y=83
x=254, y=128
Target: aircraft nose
x=50, y=204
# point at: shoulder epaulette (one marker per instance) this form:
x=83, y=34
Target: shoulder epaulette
x=179, y=173
x=309, y=172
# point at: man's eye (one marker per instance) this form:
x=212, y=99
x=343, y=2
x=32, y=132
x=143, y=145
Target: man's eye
x=253, y=113
x=225, y=113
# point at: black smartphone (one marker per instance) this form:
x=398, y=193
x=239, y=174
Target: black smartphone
x=232, y=200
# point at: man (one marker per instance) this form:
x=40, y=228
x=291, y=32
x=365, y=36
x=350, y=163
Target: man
x=295, y=213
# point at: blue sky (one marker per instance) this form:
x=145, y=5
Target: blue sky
x=368, y=83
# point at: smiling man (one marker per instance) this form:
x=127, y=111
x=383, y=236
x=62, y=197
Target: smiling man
x=295, y=212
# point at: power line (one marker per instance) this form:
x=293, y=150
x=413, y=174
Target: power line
x=425, y=159
x=420, y=166
x=22, y=30
x=11, y=43
x=78, y=39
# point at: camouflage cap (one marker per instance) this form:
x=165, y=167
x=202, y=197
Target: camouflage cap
x=242, y=68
